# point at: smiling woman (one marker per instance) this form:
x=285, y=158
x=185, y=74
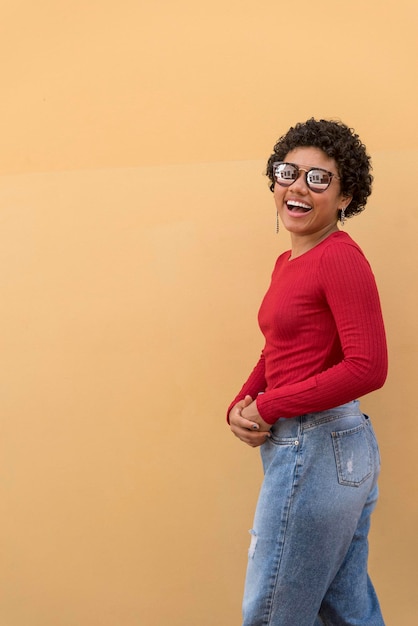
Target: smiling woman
x=324, y=347
x=310, y=205
x=340, y=144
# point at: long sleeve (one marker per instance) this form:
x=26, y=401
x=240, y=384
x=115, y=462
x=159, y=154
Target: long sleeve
x=344, y=282
x=255, y=384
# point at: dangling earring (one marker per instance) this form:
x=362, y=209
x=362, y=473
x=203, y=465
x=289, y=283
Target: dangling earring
x=277, y=221
x=342, y=216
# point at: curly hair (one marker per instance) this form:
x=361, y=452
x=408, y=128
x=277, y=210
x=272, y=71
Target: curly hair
x=340, y=143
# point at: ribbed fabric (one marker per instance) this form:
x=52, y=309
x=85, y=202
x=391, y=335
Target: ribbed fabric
x=325, y=341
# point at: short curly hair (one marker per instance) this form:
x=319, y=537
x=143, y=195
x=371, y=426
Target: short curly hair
x=340, y=143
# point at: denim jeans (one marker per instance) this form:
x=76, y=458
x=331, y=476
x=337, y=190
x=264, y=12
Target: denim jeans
x=307, y=561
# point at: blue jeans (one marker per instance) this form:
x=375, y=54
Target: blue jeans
x=307, y=562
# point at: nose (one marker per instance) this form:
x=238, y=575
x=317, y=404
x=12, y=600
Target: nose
x=300, y=183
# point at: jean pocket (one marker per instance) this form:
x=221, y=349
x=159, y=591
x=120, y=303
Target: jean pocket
x=352, y=455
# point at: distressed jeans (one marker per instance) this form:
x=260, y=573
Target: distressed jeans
x=307, y=561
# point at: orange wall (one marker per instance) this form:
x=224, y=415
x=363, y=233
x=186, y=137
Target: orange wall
x=136, y=240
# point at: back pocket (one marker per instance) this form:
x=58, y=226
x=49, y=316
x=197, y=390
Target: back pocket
x=352, y=456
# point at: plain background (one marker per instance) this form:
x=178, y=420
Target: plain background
x=137, y=237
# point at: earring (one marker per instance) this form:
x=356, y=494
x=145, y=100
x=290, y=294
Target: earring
x=342, y=216
x=277, y=221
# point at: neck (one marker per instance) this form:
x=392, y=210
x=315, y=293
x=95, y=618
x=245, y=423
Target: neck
x=304, y=243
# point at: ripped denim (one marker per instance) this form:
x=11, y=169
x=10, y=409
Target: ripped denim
x=307, y=562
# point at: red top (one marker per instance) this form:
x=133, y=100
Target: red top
x=325, y=341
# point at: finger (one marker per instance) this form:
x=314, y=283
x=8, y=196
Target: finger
x=251, y=438
x=246, y=423
x=237, y=420
x=258, y=441
x=243, y=433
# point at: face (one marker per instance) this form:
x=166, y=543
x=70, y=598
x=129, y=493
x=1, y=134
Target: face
x=303, y=211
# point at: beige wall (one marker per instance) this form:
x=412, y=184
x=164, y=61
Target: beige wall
x=136, y=240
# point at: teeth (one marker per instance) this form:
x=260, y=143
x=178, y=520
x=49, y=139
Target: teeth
x=299, y=204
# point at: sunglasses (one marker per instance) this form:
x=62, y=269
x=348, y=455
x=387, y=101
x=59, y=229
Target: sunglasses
x=317, y=179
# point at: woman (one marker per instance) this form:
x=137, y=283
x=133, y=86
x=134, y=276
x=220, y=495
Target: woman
x=324, y=348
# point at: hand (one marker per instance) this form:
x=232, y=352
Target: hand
x=251, y=429
x=250, y=412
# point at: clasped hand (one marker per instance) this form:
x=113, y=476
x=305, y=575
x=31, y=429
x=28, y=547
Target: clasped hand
x=247, y=424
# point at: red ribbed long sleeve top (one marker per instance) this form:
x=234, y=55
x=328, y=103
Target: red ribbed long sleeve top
x=324, y=336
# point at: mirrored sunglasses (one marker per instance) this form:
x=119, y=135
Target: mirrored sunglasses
x=317, y=179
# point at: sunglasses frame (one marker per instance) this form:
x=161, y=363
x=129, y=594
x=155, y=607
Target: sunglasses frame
x=303, y=169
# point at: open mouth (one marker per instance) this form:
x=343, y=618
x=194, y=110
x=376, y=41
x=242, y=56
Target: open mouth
x=298, y=207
